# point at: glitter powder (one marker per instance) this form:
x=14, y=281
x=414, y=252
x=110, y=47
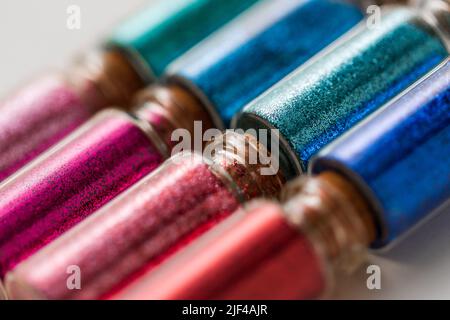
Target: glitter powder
x=165, y=30
x=253, y=255
x=135, y=228
x=103, y=158
x=318, y=102
x=35, y=118
x=400, y=156
x=259, y=48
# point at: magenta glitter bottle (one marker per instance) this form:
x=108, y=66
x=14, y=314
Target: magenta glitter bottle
x=101, y=159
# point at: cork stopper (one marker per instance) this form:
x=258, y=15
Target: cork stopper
x=169, y=107
x=334, y=215
x=246, y=161
x=105, y=78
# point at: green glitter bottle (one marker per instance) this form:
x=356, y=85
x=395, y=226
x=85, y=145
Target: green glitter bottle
x=164, y=31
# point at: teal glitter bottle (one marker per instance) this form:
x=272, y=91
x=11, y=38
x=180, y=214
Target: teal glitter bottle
x=400, y=157
x=164, y=31
x=346, y=82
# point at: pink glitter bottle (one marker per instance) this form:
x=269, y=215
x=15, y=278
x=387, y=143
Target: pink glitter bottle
x=48, y=109
x=104, y=157
x=270, y=250
x=148, y=223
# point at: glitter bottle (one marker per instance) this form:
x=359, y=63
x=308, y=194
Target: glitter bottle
x=39, y=115
x=372, y=185
x=90, y=167
x=348, y=81
x=149, y=222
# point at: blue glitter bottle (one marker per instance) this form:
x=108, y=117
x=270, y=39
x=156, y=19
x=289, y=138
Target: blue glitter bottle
x=400, y=157
x=259, y=48
x=346, y=82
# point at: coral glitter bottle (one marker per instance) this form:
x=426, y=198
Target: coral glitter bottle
x=42, y=113
x=150, y=221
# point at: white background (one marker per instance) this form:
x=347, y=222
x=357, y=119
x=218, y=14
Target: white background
x=34, y=38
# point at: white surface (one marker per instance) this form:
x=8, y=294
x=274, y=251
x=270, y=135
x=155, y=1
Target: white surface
x=34, y=35
x=34, y=38
x=417, y=267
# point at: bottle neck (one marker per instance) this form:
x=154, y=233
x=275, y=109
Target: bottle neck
x=242, y=158
x=105, y=78
x=169, y=107
x=2, y=292
x=437, y=14
x=334, y=215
